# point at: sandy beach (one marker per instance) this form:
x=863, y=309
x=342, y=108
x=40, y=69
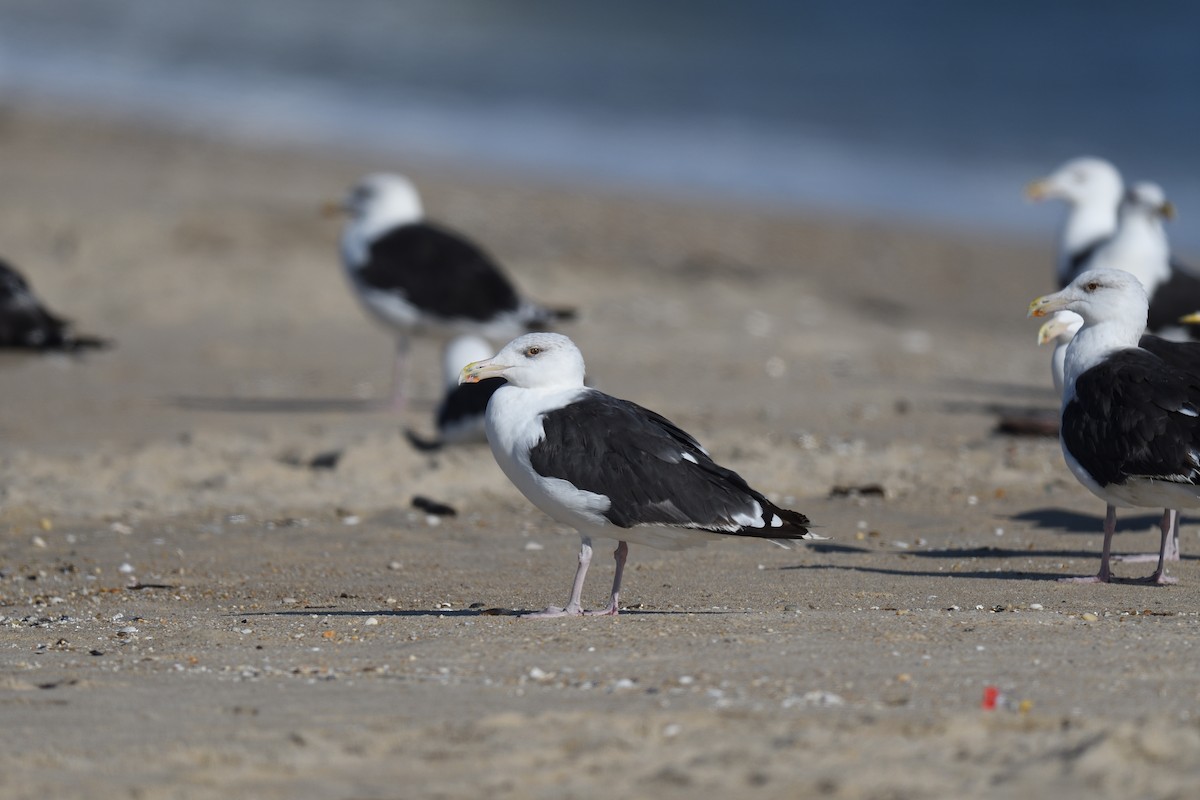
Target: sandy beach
x=191, y=609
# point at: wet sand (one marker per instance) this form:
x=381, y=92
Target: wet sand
x=191, y=610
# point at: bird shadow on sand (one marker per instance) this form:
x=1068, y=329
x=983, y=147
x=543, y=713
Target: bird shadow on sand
x=995, y=408
x=1061, y=519
x=323, y=611
x=1001, y=575
x=986, y=551
x=957, y=554
x=830, y=547
x=1002, y=389
x=1028, y=416
x=278, y=405
x=330, y=611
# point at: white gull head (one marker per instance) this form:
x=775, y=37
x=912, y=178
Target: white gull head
x=532, y=361
x=1060, y=329
x=1140, y=243
x=375, y=205
x=1113, y=306
x=1092, y=187
x=460, y=351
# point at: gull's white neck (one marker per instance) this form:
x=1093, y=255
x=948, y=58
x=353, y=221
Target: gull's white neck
x=1089, y=221
x=385, y=214
x=1093, y=344
x=1140, y=248
x=1058, y=363
x=355, y=246
x=513, y=423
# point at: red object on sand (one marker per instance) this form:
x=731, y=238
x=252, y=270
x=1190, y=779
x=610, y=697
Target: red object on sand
x=991, y=695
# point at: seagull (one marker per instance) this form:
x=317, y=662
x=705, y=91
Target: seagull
x=460, y=416
x=1061, y=329
x=1092, y=189
x=27, y=324
x=1130, y=430
x=610, y=468
x=419, y=278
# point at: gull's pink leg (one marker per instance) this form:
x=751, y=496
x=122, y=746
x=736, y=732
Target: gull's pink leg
x=620, y=554
x=1110, y=527
x=1170, y=532
x=574, y=608
x=400, y=375
x=1171, y=553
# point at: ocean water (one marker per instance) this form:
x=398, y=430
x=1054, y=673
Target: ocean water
x=937, y=111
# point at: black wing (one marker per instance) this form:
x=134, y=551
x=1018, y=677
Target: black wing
x=439, y=272
x=466, y=401
x=1180, y=295
x=653, y=472
x=1137, y=414
x=1181, y=355
x=26, y=323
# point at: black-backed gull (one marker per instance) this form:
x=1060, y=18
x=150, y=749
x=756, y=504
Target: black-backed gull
x=27, y=324
x=610, y=468
x=1130, y=429
x=1060, y=329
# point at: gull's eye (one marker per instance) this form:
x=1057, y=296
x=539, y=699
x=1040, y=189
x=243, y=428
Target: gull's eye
x=530, y=352
x=1091, y=286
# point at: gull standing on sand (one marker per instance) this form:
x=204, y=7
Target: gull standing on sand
x=610, y=468
x=419, y=278
x=1130, y=430
x=1061, y=329
x=27, y=324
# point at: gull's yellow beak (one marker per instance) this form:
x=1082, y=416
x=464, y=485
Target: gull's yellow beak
x=1037, y=190
x=479, y=370
x=1191, y=319
x=1167, y=210
x=1047, y=304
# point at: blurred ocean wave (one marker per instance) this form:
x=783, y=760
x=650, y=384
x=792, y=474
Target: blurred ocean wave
x=936, y=111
